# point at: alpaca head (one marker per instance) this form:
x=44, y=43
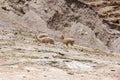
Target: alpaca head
x=62, y=36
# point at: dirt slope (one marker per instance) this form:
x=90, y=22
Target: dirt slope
x=95, y=55
x=26, y=60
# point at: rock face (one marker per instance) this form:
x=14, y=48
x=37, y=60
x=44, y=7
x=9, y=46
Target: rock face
x=24, y=57
x=115, y=45
x=86, y=37
x=73, y=17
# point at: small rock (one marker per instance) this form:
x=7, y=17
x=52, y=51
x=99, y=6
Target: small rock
x=71, y=73
x=54, y=62
x=94, y=66
x=81, y=50
x=15, y=33
x=61, y=54
x=46, y=57
x=28, y=70
x=45, y=76
x=67, y=60
x=24, y=76
x=112, y=70
x=39, y=51
x=118, y=63
x=82, y=75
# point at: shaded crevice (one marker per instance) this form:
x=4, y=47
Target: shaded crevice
x=54, y=21
x=59, y=21
x=4, y=8
x=19, y=7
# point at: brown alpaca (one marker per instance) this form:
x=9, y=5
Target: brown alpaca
x=46, y=40
x=67, y=41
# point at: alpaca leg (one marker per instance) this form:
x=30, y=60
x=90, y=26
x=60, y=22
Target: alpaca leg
x=72, y=45
x=64, y=46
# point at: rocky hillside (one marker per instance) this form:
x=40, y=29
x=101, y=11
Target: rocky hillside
x=94, y=24
x=109, y=10
x=26, y=60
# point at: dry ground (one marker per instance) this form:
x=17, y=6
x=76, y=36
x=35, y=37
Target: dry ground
x=26, y=60
x=21, y=58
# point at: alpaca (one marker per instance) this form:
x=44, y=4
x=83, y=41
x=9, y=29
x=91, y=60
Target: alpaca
x=67, y=41
x=39, y=36
x=46, y=40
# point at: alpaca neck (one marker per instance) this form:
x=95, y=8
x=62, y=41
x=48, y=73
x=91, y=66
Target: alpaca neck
x=62, y=37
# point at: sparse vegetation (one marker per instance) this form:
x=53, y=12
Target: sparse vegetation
x=83, y=60
x=11, y=43
x=72, y=59
x=97, y=52
x=61, y=57
x=34, y=57
x=31, y=57
x=2, y=52
x=14, y=54
x=48, y=51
